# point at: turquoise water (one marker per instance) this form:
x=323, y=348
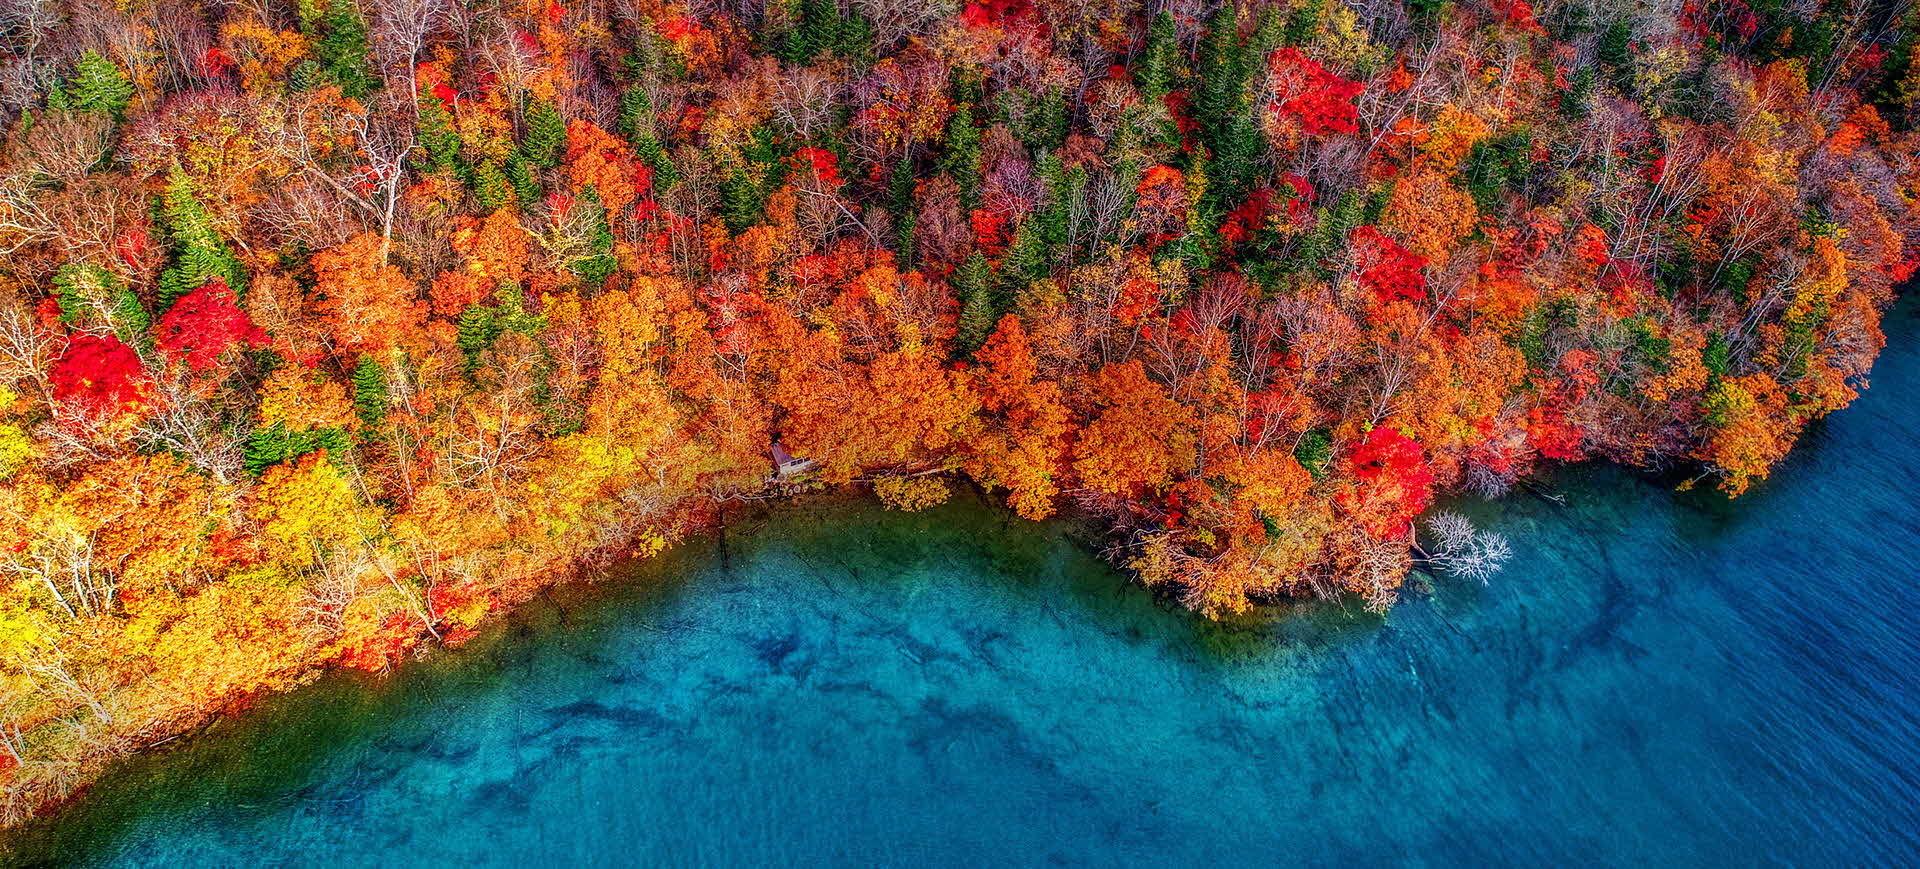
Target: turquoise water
x=1657, y=677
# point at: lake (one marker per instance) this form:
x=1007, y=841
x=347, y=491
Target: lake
x=1657, y=677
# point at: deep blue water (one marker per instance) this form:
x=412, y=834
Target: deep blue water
x=1657, y=678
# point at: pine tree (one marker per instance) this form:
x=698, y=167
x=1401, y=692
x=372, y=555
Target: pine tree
x=490, y=187
x=1576, y=100
x=1050, y=220
x=196, y=251
x=82, y=289
x=1221, y=91
x=1025, y=262
x=1269, y=32
x=741, y=205
x=636, y=114
x=969, y=87
x=271, y=445
x=546, y=132
x=439, y=139
x=1235, y=147
x=1425, y=13
x=650, y=152
x=636, y=123
x=370, y=392
x=853, y=39
x=744, y=190
x=1197, y=247
x=961, y=161
x=478, y=326
x=1332, y=224
x=973, y=284
x=1615, y=50
x=266, y=446
x=510, y=314
x=1238, y=163
x=1304, y=24
x=1160, y=59
x=900, y=202
x=519, y=173
x=341, y=48
x=814, y=26
x=1893, y=95
x=97, y=85
x=594, y=268
x=1048, y=120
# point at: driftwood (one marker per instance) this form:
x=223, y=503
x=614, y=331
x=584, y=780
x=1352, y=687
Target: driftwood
x=1535, y=490
x=1422, y=560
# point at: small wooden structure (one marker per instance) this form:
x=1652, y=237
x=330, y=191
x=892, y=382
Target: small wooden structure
x=786, y=466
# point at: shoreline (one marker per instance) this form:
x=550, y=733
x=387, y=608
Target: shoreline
x=593, y=577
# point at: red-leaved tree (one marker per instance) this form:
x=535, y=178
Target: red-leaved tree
x=1395, y=482
x=100, y=377
x=203, y=325
x=1384, y=268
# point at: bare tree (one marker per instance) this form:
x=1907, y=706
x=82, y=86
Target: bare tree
x=1463, y=550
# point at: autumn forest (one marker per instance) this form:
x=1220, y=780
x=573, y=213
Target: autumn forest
x=331, y=329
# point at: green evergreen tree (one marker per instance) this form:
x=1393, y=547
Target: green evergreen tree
x=271, y=445
x=440, y=140
x=1050, y=220
x=491, y=188
x=1159, y=60
x=1331, y=226
x=744, y=190
x=1495, y=165
x=519, y=173
x=900, y=204
x=1238, y=162
x=1426, y=13
x=1615, y=50
x=741, y=205
x=1048, y=121
x=1315, y=452
x=1269, y=33
x=636, y=123
x=83, y=289
x=636, y=114
x=370, y=392
x=546, y=132
x=1304, y=23
x=650, y=152
x=1887, y=95
x=1235, y=147
x=973, y=284
x=478, y=327
x=1025, y=262
x=853, y=39
x=1576, y=101
x=340, y=47
x=1196, y=249
x=97, y=85
x=305, y=76
x=1220, y=93
x=196, y=252
x=961, y=161
x=969, y=87
x=814, y=27
x=510, y=313
x=594, y=269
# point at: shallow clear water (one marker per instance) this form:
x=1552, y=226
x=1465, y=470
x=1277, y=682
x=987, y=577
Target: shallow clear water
x=1657, y=677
